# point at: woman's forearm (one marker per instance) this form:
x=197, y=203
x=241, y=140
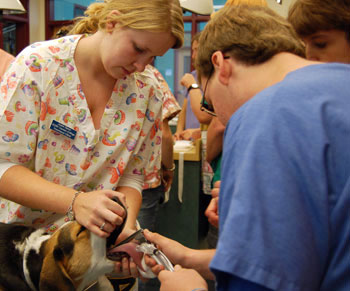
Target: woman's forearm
x=24, y=187
x=182, y=118
x=167, y=146
x=133, y=201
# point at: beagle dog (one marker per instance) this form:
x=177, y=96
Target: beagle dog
x=72, y=258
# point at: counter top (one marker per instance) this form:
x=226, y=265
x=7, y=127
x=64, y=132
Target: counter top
x=194, y=154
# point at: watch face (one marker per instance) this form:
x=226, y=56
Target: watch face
x=193, y=86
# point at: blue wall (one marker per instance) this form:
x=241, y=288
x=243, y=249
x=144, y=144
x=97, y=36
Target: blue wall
x=64, y=9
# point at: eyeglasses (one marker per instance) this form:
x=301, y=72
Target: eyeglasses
x=205, y=106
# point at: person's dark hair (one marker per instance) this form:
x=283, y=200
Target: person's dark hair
x=250, y=34
x=310, y=16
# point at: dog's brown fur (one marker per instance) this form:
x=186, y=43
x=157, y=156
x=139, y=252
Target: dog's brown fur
x=67, y=255
x=65, y=258
x=71, y=259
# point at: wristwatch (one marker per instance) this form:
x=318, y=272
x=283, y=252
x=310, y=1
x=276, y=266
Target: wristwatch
x=193, y=86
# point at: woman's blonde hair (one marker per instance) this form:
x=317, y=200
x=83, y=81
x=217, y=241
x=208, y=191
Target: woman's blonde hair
x=310, y=16
x=246, y=2
x=150, y=15
x=250, y=34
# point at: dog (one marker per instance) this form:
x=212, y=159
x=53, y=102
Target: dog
x=72, y=258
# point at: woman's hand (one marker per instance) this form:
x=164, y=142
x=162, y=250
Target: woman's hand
x=187, y=80
x=188, y=134
x=181, y=280
x=167, y=179
x=98, y=212
x=191, y=134
x=176, y=136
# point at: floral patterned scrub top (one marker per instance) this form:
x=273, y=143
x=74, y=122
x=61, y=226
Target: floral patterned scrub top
x=170, y=109
x=46, y=126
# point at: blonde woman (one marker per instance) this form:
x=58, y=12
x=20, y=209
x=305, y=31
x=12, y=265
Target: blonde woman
x=80, y=116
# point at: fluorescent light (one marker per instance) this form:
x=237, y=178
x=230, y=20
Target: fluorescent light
x=203, y=7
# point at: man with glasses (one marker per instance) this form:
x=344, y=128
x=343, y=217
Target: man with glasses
x=285, y=190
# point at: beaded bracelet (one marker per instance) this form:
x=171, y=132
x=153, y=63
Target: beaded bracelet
x=199, y=289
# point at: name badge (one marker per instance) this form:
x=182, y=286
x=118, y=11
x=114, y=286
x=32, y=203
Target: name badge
x=63, y=129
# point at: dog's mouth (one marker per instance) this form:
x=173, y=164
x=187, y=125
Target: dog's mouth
x=127, y=250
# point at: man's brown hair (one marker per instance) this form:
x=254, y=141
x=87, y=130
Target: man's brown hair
x=250, y=34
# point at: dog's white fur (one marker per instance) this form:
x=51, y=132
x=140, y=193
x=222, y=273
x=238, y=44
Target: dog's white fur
x=100, y=265
x=33, y=242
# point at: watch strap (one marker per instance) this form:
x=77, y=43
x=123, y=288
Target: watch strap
x=192, y=86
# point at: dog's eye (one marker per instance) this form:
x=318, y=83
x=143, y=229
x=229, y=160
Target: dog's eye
x=82, y=228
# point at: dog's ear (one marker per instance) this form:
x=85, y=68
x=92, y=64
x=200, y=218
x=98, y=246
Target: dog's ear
x=53, y=274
